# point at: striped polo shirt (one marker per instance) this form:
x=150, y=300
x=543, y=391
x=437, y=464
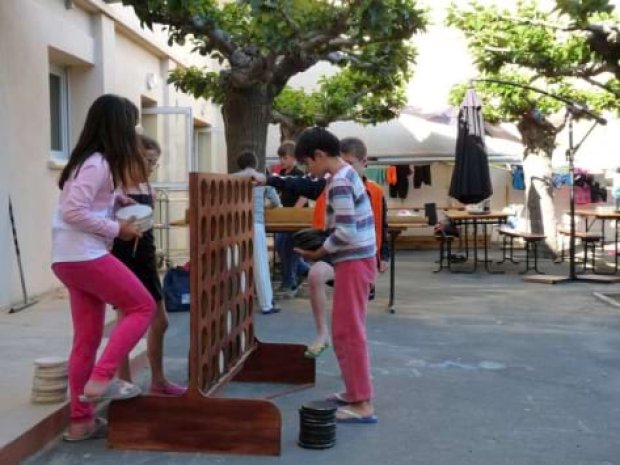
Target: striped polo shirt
x=350, y=221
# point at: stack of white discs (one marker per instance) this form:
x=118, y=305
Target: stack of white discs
x=142, y=215
x=50, y=380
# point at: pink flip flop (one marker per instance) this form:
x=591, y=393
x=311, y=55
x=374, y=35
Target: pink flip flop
x=168, y=390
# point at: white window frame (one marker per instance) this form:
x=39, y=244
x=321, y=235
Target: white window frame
x=189, y=138
x=60, y=157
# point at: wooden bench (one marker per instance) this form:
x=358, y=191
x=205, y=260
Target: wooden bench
x=531, y=241
x=589, y=241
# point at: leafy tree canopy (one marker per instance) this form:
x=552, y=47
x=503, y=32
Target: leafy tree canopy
x=266, y=42
x=261, y=44
x=533, y=46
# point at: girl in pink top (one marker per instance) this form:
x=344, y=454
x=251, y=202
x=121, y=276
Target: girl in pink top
x=106, y=157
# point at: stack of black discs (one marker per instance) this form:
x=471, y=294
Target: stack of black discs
x=317, y=425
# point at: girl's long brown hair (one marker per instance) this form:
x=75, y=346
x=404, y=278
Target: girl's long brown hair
x=110, y=129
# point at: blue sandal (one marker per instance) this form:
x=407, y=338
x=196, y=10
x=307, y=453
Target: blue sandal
x=352, y=417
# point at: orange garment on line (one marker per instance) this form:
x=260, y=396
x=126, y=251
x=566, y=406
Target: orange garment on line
x=375, y=192
x=390, y=176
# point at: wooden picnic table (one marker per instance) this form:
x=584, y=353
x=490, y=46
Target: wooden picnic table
x=603, y=215
x=292, y=219
x=466, y=219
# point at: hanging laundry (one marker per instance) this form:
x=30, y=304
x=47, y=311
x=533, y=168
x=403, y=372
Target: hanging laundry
x=401, y=188
x=598, y=194
x=560, y=180
x=391, y=175
x=518, y=178
x=421, y=175
x=583, y=187
x=376, y=174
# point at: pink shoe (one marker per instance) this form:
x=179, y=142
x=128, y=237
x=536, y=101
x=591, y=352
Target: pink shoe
x=167, y=389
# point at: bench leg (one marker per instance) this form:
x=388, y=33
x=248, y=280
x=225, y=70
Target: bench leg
x=441, y=256
x=531, y=247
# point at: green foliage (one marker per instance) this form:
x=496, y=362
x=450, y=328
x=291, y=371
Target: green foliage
x=532, y=46
x=262, y=43
x=365, y=94
x=581, y=11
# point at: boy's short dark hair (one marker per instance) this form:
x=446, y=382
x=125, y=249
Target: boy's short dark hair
x=316, y=139
x=353, y=146
x=247, y=159
x=286, y=148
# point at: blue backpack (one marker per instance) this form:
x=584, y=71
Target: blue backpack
x=176, y=289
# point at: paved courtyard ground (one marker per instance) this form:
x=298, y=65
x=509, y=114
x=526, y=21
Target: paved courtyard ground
x=471, y=370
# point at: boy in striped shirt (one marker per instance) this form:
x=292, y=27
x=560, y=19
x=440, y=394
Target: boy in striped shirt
x=351, y=249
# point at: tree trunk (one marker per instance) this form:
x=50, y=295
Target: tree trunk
x=539, y=198
x=247, y=113
x=290, y=132
x=539, y=140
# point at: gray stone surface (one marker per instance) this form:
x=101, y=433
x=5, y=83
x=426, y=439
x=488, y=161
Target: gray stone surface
x=472, y=370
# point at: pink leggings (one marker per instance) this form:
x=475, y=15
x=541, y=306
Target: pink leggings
x=92, y=284
x=352, y=282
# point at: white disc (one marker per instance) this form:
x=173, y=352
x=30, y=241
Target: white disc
x=242, y=284
x=236, y=254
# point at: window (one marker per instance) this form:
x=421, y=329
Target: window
x=59, y=114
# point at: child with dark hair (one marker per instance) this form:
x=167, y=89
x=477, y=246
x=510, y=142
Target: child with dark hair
x=351, y=248
x=293, y=267
x=353, y=151
x=142, y=261
x=247, y=163
x=106, y=157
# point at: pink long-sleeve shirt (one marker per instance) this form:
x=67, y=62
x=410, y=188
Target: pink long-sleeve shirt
x=83, y=227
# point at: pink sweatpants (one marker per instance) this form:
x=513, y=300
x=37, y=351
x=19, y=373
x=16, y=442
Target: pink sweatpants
x=352, y=282
x=92, y=284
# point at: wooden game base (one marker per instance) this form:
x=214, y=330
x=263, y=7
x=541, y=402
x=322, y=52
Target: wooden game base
x=277, y=363
x=557, y=279
x=197, y=423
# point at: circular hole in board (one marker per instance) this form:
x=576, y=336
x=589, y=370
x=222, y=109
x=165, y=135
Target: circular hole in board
x=212, y=192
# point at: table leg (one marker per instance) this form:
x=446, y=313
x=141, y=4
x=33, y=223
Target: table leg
x=475, y=224
x=393, y=236
x=486, y=252
x=616, y=237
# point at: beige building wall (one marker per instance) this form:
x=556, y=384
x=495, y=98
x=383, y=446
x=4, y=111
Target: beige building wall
x=102, y=49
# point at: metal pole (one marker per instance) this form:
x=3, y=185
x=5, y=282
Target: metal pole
x=26, y=302
x=571, y=169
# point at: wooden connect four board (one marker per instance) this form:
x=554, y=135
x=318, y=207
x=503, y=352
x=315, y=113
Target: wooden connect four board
x=222, y=274
x=223, y=345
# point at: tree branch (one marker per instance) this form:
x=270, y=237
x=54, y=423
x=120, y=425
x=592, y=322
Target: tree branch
x=602, y=86
x=278, y=117
x=196, y=25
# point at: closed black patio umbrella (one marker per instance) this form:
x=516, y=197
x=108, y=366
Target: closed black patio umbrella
x=471, y=179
